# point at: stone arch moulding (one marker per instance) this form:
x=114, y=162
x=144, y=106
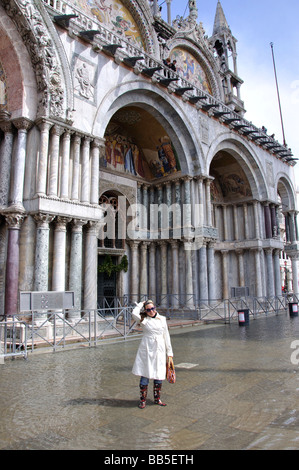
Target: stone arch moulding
x=30, y=18
x=203, y=61
x=175, y=123
x=64, y=65
x=19, y=73
x=140, y=11
x=285, y=188
x=247, y=160
x=127, y=192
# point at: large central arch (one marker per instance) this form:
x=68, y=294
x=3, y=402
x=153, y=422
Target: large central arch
x=170, y=116
x=246, y=159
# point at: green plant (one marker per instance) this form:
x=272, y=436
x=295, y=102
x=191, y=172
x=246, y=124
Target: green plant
x=109, y=267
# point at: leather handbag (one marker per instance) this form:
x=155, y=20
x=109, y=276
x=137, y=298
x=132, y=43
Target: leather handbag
x=170, y=372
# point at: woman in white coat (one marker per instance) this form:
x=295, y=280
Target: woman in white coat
x=150, y=362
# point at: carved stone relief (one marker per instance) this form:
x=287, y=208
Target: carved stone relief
x=84, y=79
x=36, y=37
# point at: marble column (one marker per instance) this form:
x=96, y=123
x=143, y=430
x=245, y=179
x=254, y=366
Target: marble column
x=201, y=202
x=90, y=281
x=175, y=273
x=287, y=226
x=144, y=210
x=76, y=167
x=187, y=207
x=208, y=201
x=225, y=222
x=153, y=232
x=258, y=275
x=56, y=132
x=225, y=283
x=270, y=272
x=139, y=212
x=65, y=165
x=160, y=214
x=14, y=222
x=143, y=288
x=96, y=147
x=273, y=220
x=277, y=273
x=236, y=221
x=5, y=162
x=211, y=271
x=240, y=256
x=189, y=299
x=59, y=254
x=293, y=234
x=268, y=227
x=246, y=226
x=177, y=216
x=152, y=272
x=85, y=171
x=134, y=270
x=75, y=270
x=169, y=203
x=295, y=274
x=41, y=266
x=256, y=220
x=203, y=273
x=163, y=258
x=41, y=180
x=18, y=164
x=296, y=226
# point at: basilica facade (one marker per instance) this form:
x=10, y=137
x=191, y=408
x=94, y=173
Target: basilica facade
x=127, y=165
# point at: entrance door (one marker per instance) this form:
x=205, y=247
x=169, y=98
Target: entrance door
x=106, y=286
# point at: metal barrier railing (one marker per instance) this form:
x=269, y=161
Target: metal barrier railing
x=57, y=330
x=13, y=339
x=227, y=310
x=26, y=331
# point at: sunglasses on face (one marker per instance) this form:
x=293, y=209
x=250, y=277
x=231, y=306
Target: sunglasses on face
x=150, y=309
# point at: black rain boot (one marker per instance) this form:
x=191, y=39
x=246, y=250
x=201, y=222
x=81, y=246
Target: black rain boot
x=143, y=395
x=157, y=393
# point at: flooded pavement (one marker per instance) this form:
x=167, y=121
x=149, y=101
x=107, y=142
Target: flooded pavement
x=237, y=388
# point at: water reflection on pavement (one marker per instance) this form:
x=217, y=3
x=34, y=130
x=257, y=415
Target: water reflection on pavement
x=237, y=388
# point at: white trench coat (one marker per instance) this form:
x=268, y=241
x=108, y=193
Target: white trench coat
x=155, y=345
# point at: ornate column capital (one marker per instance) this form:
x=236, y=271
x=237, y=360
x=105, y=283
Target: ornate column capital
x=162, y=243
x=61, y=223
x=77, y=225
x=174, y=244
x=6, y=126
x=43, y=220
x=134, y=244
x=22, y=123
x=98, y=143
x=44, y=124
x=57, y=130
x=14, y=220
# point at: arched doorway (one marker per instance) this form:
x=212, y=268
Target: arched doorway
x=111, y=247
x=289, y=234
x=233, y=213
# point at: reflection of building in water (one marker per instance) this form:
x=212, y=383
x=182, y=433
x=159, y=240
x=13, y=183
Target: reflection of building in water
x=201, y=202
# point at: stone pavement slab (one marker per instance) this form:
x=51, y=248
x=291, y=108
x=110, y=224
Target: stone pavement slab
x=236, y=388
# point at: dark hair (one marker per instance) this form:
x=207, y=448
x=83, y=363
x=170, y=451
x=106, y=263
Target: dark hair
x=143, y=313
